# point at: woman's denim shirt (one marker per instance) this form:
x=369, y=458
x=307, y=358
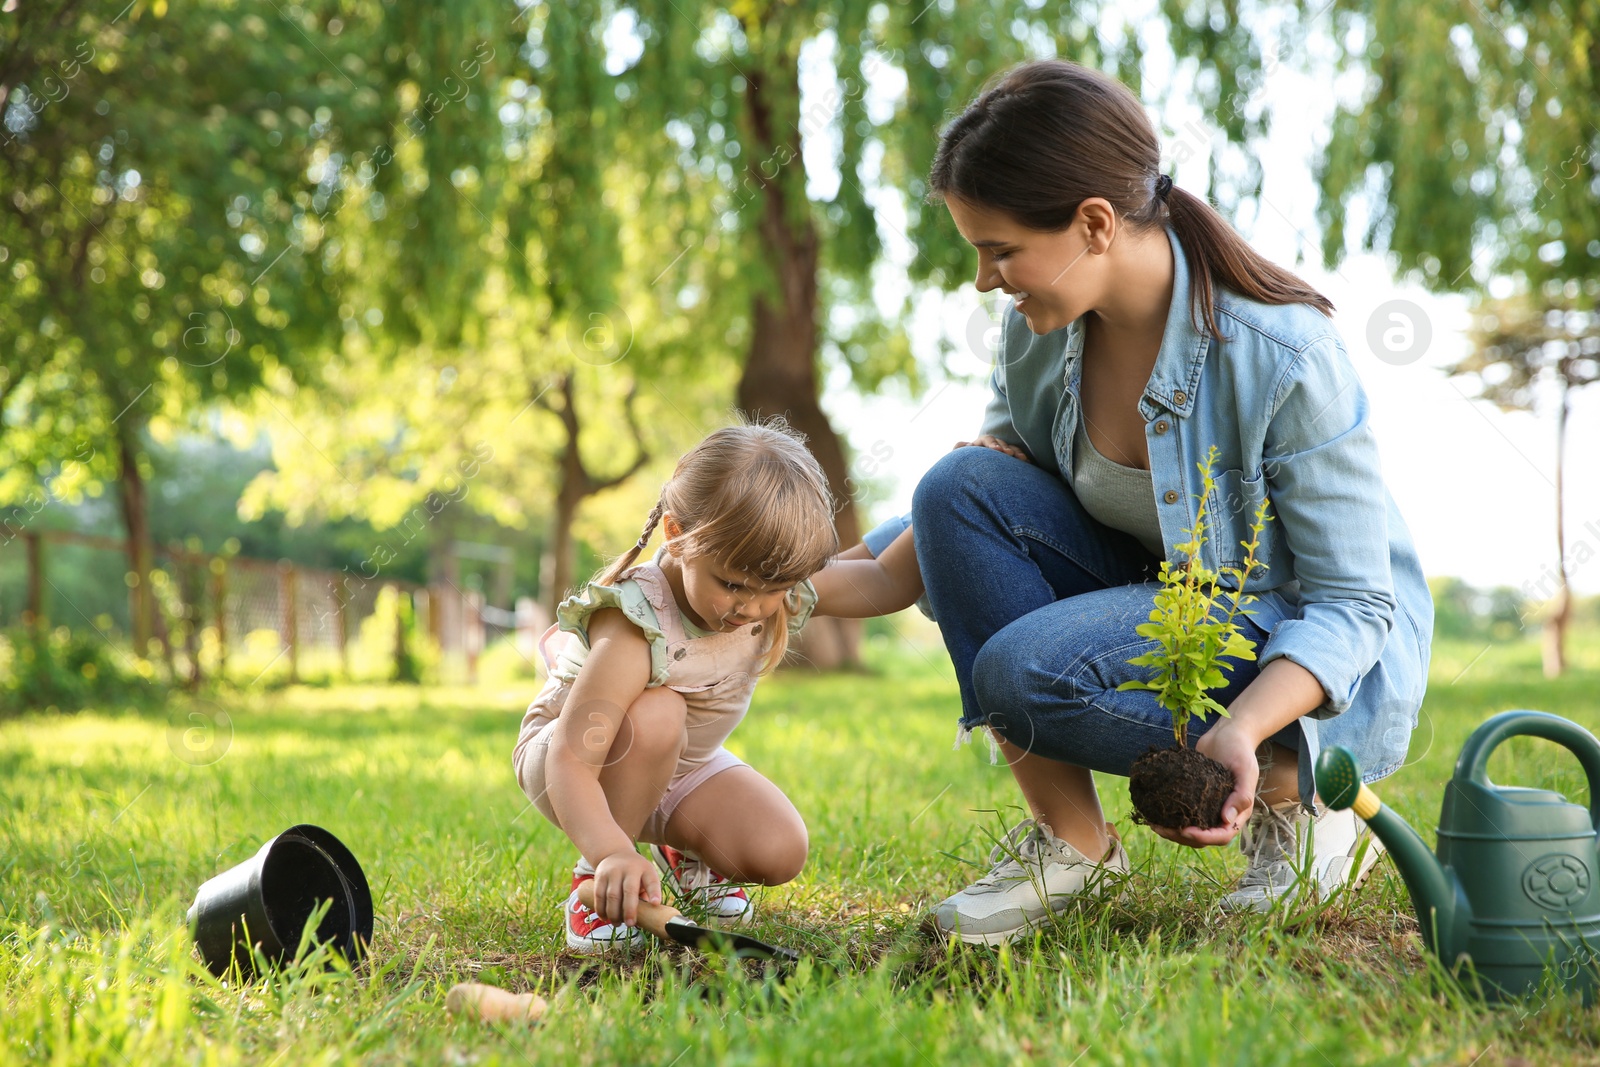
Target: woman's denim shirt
x=1279, y=399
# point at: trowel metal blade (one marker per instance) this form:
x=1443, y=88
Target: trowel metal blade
x=709, y=939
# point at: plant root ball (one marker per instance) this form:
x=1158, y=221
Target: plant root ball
x=1178, y=787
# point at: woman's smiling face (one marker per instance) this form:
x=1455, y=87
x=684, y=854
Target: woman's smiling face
x=1045, y=273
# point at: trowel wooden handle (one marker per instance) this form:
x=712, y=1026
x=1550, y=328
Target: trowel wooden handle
x=490, y=1004
x=652, y=917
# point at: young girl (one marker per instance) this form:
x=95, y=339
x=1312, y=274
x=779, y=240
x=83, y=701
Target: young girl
x=652, y=666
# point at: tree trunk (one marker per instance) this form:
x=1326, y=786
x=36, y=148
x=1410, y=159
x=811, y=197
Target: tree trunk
x=444, y=585
x=780, y=372
x=1555, y=627
x=194, y=587
x=135, y=521
x=557, y=572
x=219, y=597
x=561, y=557
x=35, y=616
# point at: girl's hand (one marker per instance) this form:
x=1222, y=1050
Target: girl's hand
x=620, y=879
x=990, y=441
x=1235, y=749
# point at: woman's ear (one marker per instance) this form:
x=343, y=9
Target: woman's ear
x=1097, y=214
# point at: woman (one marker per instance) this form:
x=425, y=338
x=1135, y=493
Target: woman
x=1144, y=331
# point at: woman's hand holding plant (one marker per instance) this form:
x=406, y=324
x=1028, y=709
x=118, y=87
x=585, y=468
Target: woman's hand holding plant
x=1280, y=694
x=1230, y=744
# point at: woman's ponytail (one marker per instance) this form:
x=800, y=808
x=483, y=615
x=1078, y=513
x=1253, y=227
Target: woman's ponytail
x=1217, y=254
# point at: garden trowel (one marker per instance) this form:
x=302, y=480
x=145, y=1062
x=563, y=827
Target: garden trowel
x=669, y=924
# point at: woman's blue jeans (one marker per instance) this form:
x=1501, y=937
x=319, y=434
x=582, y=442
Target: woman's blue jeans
x=1037, y=603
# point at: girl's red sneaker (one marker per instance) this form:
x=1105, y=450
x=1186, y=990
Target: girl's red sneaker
x=696, y=884
x=588, y=933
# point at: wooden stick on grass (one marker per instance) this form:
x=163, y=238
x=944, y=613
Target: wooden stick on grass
x=490, y=1004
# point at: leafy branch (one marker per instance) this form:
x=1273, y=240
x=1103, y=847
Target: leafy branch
x=1191, y=640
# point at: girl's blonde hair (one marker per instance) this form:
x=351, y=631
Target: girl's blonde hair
x=753, y=498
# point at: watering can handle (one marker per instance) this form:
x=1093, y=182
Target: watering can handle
x=1473, y=763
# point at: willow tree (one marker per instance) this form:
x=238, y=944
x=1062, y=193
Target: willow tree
x=156, y=222
x=501, y=303
x=634, y=201
x=713, y=90
x=619, y=324
x=635, y=208
x=1524, y=346
x=1474, y=149
x=721, y=85
x=404, y=414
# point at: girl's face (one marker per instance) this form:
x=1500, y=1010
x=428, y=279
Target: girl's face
x=721, y=598
x=1046, y=274
x=726, y=599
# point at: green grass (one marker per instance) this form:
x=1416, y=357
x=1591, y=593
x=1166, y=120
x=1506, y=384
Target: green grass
x=106, y=833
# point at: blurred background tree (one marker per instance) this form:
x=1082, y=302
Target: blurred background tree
x=1524, y=346
x=157, y=227
x=773, y=259
x=648, y=233
x=511, y=257
x=1472, y=148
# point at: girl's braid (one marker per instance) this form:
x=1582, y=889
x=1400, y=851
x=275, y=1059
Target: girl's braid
x=624, y=561
x=649, y=526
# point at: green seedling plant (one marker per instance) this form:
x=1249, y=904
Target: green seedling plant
x=1192, y=638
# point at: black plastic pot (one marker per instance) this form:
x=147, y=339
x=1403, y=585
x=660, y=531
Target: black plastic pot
x=267, y=900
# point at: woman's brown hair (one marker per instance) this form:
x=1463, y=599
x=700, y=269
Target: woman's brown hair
x=753, y=498
x=1045, y=136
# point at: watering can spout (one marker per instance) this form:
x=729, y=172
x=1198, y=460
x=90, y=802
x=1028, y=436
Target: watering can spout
x=1433, y=890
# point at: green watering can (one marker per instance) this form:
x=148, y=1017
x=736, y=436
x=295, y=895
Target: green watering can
x=1514, y=887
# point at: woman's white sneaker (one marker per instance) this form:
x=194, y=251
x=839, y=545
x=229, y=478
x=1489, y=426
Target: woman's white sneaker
x=1290, y=849
x=1035, y=875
